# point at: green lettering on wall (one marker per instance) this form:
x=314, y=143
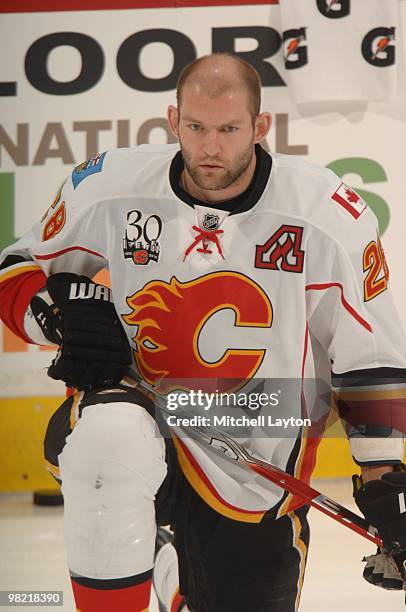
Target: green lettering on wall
x=6, y=209
x=370, y=172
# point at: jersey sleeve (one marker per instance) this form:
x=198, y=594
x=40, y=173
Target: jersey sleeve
x=70, y=237
x=352, y=314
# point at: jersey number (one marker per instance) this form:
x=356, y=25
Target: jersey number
x=55, y=223
x=374, y=264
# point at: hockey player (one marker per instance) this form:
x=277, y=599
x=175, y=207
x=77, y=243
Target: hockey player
x=226, y=262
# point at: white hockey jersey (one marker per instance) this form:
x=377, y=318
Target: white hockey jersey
x=206, y=294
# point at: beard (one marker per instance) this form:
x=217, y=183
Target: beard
x=218, y=179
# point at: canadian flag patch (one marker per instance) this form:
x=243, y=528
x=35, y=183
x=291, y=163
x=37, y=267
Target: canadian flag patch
x=348, y=199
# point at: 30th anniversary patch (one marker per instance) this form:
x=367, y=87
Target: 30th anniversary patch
x=141, y=238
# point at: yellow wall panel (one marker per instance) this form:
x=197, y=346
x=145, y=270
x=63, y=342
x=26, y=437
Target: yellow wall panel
x=23, y=423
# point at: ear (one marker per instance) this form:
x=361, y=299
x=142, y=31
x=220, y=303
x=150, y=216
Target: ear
x=173, y=120
x=263, y=124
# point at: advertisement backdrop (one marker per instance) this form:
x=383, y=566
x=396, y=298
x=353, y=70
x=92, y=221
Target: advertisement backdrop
x=77, y=82
x=82, y=77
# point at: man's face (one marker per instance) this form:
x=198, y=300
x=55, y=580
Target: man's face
x=216, y=136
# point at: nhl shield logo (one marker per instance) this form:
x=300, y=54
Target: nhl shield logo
x=211, y=221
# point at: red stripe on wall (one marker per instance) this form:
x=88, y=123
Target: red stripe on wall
x=48, y=6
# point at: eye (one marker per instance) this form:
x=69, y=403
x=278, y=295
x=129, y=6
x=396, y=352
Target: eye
x=195, y=127
x=230, y=129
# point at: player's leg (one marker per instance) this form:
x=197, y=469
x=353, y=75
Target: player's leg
x=112, y=465
x=229, y=566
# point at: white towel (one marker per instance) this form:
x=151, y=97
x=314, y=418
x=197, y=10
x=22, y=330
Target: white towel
x=340, y=49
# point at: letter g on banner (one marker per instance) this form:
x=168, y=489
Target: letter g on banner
x=334, y=9
x=377, y=47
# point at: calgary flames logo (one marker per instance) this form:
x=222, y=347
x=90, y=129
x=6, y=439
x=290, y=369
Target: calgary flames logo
x=171, y=316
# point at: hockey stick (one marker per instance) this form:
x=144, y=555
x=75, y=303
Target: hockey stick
x=227, y=447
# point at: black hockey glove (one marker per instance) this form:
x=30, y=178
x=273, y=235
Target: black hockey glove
x=383, y=503
x=93, y=348
x=46, y=315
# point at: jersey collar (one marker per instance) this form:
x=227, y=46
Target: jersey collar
x=241, y=203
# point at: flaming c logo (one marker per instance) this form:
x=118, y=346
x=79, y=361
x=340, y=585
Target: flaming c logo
x=170, y=317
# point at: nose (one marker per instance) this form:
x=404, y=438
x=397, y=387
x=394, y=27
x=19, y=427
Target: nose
x=212, y=144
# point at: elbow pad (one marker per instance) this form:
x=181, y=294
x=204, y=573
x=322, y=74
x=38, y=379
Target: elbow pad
x=374, y=445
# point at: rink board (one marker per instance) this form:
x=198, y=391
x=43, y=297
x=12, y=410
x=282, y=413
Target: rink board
x=23, y=422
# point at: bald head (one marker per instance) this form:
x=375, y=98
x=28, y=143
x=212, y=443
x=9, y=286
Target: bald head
x=219, y=74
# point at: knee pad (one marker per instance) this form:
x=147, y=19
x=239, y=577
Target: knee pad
x=166, y=573
x=111, y=467
x=166, y=577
